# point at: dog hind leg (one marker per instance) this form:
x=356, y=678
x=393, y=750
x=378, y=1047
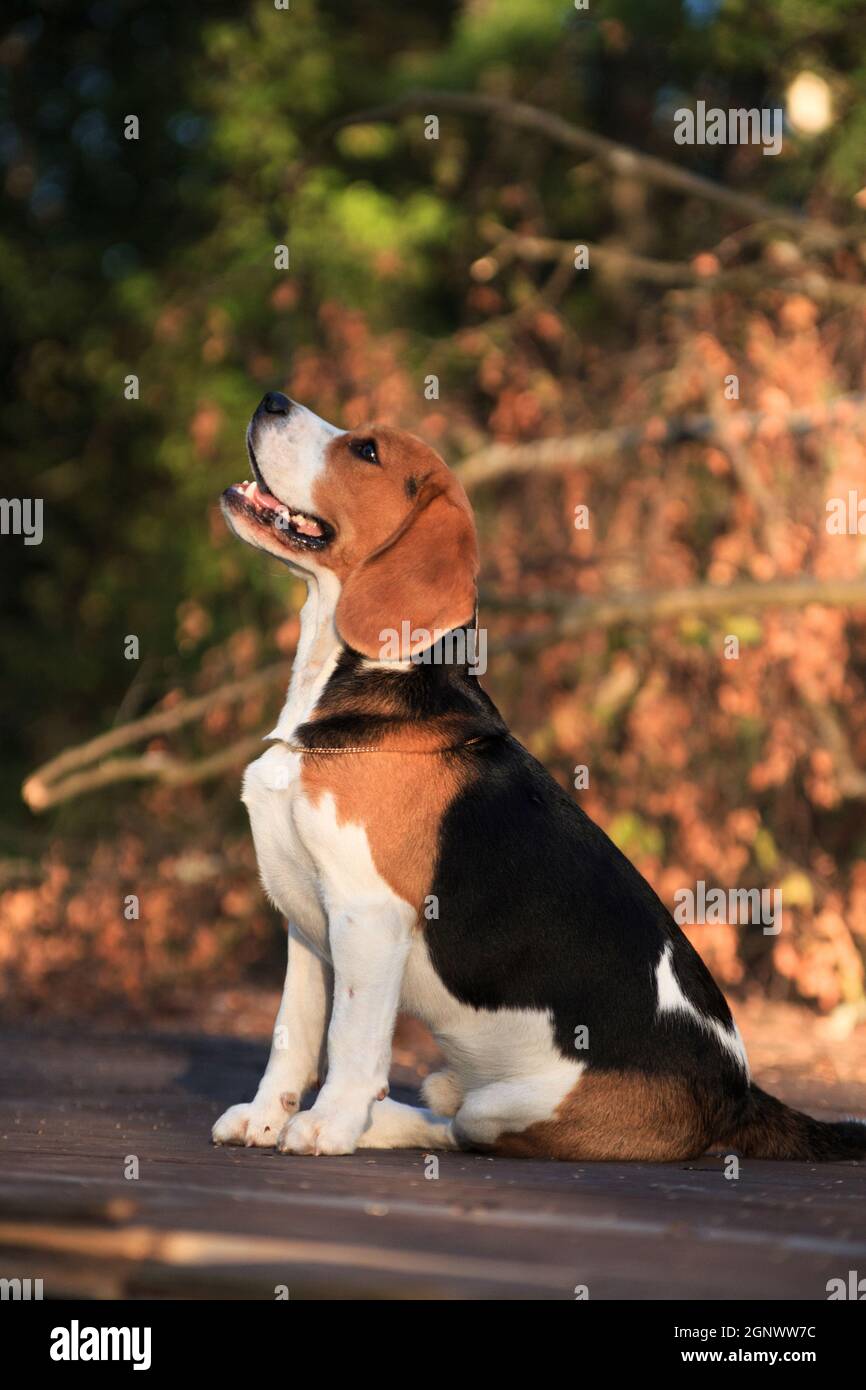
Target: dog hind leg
x=396, y=1126
x=442, y=1092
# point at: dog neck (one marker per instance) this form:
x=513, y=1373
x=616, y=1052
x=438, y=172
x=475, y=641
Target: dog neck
x=329, y=680
x=426, y=708
x=316, y=655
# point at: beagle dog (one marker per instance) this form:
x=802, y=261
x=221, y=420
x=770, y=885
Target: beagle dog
x=426, y=862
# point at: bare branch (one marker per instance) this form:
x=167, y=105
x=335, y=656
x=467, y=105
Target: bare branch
x=620, y=158
x=626, y=265
x=578, y=450
x=150, y=767
x=517, y=246
x=576, y=615
x=36, y=790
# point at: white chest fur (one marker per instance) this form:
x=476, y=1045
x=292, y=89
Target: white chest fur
x=288, y=874
x=271, y=786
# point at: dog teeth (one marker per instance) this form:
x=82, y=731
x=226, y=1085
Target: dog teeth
x=305, y=524
x=302, y=523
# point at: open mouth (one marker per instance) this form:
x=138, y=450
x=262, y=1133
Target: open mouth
x=291, y=527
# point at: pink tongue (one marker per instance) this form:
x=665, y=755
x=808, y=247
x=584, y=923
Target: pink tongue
x=255, y=495
x=304, y=524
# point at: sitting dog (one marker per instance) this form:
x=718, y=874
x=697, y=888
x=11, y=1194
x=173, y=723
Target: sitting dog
x=426, y=862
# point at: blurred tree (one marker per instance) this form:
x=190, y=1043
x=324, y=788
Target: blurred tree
x=154, y=257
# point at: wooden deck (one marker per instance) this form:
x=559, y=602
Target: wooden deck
x=205, y=1222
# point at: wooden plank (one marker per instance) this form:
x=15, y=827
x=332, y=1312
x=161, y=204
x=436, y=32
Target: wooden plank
x=201, y=1221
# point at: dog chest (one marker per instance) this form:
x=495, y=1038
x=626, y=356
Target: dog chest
x=271, y=787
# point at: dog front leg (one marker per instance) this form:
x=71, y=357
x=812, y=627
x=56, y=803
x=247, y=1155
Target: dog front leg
x=297, y=1046
x=369, y=949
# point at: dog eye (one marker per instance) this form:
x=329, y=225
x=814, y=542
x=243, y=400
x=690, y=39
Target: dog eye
x=366, y=449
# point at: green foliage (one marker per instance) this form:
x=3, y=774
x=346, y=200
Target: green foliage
x=155, y=257
x=635, y=836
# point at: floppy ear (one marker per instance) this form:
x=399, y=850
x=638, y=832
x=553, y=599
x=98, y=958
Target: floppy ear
x=422, y=579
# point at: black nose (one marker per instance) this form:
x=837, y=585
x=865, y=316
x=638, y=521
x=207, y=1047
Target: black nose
x=275, y=403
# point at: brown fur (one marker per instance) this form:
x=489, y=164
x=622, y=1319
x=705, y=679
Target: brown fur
x=617, y=1116
x=398, y=797
x=398, y=561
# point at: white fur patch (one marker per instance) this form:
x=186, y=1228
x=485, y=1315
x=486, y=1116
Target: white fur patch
x=504, y=1062
x=290, y=453
x=672, y=1000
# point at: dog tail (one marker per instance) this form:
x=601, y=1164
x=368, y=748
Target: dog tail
x=770, y=1129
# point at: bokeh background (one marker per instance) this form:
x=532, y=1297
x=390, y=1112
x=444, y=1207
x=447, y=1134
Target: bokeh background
x=453, y=258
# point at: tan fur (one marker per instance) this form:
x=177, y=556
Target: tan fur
x=617, y=1117
x=398, y=797
x=405, y=549
x=420, y=582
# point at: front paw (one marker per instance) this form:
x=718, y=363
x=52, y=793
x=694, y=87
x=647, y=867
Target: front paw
x=256, y=1124
x=320, y=1132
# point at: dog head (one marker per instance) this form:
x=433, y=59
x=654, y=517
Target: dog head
x=376, y=508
